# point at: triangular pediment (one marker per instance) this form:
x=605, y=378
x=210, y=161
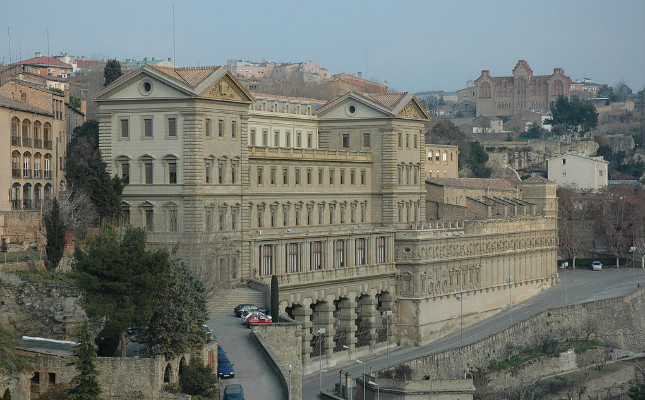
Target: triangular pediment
x=129, y=86
x=353, y=105
x=413, y=110
x=227, y=88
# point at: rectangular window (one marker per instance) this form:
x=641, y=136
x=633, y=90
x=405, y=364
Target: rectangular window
x=172, y=220
x=260, y=217
x=172, y=172
x=445, y=157
x=297, y=216
x=400, y=140
x=234, y=172
x=564, y=161
x=272, y=176
x=149, y=215
x=276, y=138
x=310, y=212
x=331, y=176
x=265, y=138
x=288, y=139
x=147, y=127
x=209, y=127
x=407, y=140
x=125, y=128
x=352, y=177
x=220, y=173
x=366, y=141
x=308, y=176
x=266, y=259
x=342, y=176
x=320, y=176
x=260, y=175
x=599, y=172
x=340, y=253
x=316, y=255
x=273, y=216
x=361, y=257
x=234, y=219
x=148, y=172
x=380, y=249
x=285, y=176
x=172, y=127
x=299, y=140
x=362, y=177
x=209, y=220
x=345, y=140
x=310, y=142
x=234, y=129
x=252, y=137
x=416, y=145
x=297, y=176
x=292, y=257
x=220, y=128
x=125, y=172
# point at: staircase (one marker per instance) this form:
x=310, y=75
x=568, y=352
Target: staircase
x=227, y=299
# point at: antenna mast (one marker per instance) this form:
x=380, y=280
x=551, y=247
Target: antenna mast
x=9, y=34
x=174, y=49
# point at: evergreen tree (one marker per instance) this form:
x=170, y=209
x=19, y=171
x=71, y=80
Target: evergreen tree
x=478, y=158
x=177, y=324
x=85, y=385
x=574, y=115
x=637, y=392
x=275, y=298
x=55, y=236
x=120, y=278
x=112, y=71
x=7, y=394
x=87, y=171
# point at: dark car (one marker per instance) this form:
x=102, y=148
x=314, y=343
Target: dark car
x=221, y=354
x=225, y=369
x=233, y=392
x=238, y=308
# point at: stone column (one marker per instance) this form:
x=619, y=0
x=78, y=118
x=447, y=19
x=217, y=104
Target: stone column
x=325, y=319
x=369, y=315
x=303, y=315
x=347, y=318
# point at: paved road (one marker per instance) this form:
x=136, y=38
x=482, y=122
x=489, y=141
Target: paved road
x=251, y=370
x=582, y=286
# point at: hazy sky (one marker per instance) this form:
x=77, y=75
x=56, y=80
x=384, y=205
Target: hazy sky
x=413, y=45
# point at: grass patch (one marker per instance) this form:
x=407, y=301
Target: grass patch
x=549, y=348
x=22, y=256
x=46, y=277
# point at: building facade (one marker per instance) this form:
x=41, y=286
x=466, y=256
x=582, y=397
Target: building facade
x=522, y=91
x=442, y=161
x=578, y=171
x=320, y=198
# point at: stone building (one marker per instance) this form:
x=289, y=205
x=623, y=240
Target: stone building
x=331, y=200
x=578, y=171
x=523, y=91
x=442, y=161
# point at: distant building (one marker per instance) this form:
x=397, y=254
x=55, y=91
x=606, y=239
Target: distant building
x=259, y=70
x=45, y=66
x=442, y=161
x=578, y=171
x=523, y=91
x=342, y=83
x=130, y=64
x=584, y=89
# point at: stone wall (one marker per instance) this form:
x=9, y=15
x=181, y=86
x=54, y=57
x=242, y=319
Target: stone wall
x=38, y=309
x=22, y=227
x=607, y=317
x=282, y=344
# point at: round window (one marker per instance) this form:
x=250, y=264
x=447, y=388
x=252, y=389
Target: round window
x=145, y=88
x=351, y=110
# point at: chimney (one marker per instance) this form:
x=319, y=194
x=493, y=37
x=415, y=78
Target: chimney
x=360, y=75
x=38, y=54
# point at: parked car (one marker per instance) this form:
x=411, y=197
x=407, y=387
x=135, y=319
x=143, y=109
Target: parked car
x=238, y=309
x=247, y=314
x=250, y=307
x=596, y=266
x=257, y=319
x=221, y=354
x=233, y=392
x=225, y=369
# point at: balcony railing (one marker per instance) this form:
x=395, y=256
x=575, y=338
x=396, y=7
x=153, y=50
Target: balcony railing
x=27, y=204
x=15, y=140
x=37, y=174
x=38, y=143
x=48, y=144
x=26, y=141
x=37, y=204
x=15, y=204
x=26, y=173
x=15, y=173
x=48, y=174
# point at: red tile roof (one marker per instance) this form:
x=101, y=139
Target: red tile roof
x=43, y=61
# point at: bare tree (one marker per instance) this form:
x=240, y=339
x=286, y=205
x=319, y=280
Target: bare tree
x=77, y=210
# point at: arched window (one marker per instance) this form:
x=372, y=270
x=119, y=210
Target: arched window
x=26, y=132
x=49, y=195
x=15, y=164
x=15, y=131
x=484, y=89
x=520, y=86
x=38, y=166
x=558, y=88
x=26, y=165
x=47, y=168
x=38, y=140
x=38, y=196
x=14, y=196
x=47, y=135
x=27, y=196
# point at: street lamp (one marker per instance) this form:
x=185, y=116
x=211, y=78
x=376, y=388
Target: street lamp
x=349, y=350
x=378, y=389
x=460, y=298
x=289, y=367
x=510, y=280
x=566, y=293
x=633, y=251
x=360, y=362
x=387, y=314
x=319, y=333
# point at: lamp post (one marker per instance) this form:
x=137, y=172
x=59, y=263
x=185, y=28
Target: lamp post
x=566, y=293
x=360, y=362
x=319, y=333
x=378, y=389
x=460, y=298
x=510, y=280
x=349, y=350
x=289, y=367
x=387, y=314
x=633, y=251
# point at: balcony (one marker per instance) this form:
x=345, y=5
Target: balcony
x=38, y=143
x=27, y=204
x=26, y=141
x=48, y=144
x=15, y=204
x=15, y=173
x=15, y=140
x=48, y=174
x=26, y=173
x=37, y=174
x=37, y=204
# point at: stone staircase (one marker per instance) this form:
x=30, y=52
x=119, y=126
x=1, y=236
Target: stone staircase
x=227, y=299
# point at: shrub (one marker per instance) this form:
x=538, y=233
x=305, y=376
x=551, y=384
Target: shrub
x=196, y=379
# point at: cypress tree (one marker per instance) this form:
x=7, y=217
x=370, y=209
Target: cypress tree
x=6, y=395
x=275, y=298
x=112, y=71
x=86, y=384
x=55, y=236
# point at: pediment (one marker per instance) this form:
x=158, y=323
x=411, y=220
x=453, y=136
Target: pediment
x=353, y=106
x=413, y=110
x=131, y=87
x=226, y=88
